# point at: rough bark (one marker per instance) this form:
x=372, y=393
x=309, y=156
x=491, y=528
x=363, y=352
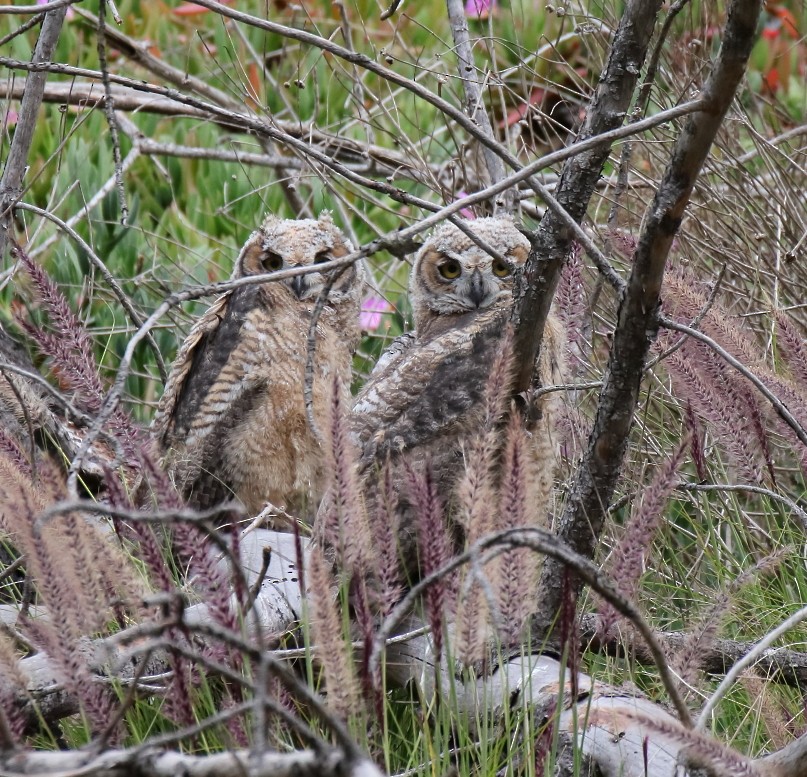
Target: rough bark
x=581, y=522
x=552, y=240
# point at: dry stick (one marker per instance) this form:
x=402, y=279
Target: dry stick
x=777, y=403
x=552, y=239
x=747, y=660
x=110, y=279
x=473, y=95
x=786, y=667
x=582, y=519
x=126, y=98
x=23, y=10
x=109, y=112
x=546, y=543
x=11, y=183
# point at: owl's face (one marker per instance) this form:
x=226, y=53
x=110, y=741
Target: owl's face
x=285, y=244
x=452, y=275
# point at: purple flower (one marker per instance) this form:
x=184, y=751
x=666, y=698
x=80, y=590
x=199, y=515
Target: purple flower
x=371, y=311
x=480, y=9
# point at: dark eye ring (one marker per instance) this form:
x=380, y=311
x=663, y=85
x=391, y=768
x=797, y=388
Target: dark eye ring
x=501, y=269
x=450, y=269
x=323, y=256
x=272, y=261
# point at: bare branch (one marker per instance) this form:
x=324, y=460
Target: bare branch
x=552, y=239
x=475, y=105
x=11, y=184
x=582, y=519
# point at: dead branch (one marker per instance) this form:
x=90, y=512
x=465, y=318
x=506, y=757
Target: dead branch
x=473, y=94
x=11, y=183
x=552, y=240
x=582, y=520
x=234, y=763
x=779, y=665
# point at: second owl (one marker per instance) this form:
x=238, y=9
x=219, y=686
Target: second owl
x=425, y=399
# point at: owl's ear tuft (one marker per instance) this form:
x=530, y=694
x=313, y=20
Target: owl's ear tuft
x=270, y=220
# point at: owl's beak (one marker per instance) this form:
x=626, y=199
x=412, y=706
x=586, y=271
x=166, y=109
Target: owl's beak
x=299, y=285
x=477, y=292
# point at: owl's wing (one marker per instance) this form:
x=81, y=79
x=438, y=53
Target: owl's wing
x=162, y=423
x=397, y=348
x=428, y=391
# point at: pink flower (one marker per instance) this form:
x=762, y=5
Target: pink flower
x=480, y=9
x=12, y=117
x=371, y=310
x=466, y=213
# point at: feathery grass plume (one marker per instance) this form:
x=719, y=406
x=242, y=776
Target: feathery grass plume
x=696, y=444
x=12, y=685
x=571, y=306
x=791, y=347
x=472, y=631
x=10, y=449
x=707, y=400
x=81, y=578
x=477, y=504
x=71, y=353
x=384, y=527
x=774, y=717
x=346, y=527
x=739, y=406
x=332, y=651
x=497, y=387
x=701, y=749
x=626, y=563
x=70, y=348
x=688, y=659
x=371, y=686
x=794, y=396
x=434, y=547
x=525, y=489
x=141, y=535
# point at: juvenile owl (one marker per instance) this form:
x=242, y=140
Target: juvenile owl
x=424, y=400
x=232, y=420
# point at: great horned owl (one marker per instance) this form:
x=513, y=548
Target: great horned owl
x=424, y=399
x=232, y=420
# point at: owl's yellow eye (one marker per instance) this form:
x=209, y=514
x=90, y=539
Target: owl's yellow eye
x=449, y=269
x=272, y=261
x=501, y=269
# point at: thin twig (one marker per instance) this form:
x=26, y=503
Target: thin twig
x=109, y=112
x=746, y=661
x=475, y=105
